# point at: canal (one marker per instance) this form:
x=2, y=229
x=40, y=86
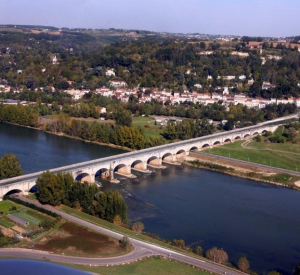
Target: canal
x=245, y=218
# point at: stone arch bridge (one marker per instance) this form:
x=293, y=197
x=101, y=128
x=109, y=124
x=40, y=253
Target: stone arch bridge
x=124, y=164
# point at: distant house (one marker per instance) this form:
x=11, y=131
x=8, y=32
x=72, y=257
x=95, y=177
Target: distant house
x=267, y=86
x=54, y=60
x=198, y=86
x=240, y=54
x=110, y=72
x=118, y=83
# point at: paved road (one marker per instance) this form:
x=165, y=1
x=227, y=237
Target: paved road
x=142, y=249
x=271, y=168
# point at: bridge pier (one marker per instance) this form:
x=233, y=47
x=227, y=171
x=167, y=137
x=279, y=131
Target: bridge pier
x=125, y=171
x=141, y=167
x=156, y=164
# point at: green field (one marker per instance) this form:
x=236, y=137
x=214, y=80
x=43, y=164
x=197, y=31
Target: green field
x=25, y=216
x=148, y=126
x=142, y=119
x=5, y=207
x=149, y=266
x=281, y=155
x=6, y=223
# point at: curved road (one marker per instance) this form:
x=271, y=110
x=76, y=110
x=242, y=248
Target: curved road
x=141, y=249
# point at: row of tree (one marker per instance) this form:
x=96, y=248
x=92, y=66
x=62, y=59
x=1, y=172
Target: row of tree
x=17, y=114
x=63, y=189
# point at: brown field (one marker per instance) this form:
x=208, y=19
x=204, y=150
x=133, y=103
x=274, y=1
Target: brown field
x=287, y=44
x=74, y=240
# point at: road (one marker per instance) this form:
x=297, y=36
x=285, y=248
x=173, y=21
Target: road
x=271, y=168
x=141, y=249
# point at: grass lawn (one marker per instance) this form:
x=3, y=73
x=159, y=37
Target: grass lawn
x=5, y=206
x=258, y=153
x=149, y=266
x=148, y=126
x=6, y=223
x=22, y=214
x=142, y=119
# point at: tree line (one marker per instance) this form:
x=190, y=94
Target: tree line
x=63, y=189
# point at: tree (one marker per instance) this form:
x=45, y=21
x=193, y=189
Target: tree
x=296, y=271
x=50, y=189
x=124, y=242
x=138, y=227
x=217, y=255
x=124, y=118
x=117, y=220
x=179, y=243
x=243, y=264
x=10, y=167
x=198, y=250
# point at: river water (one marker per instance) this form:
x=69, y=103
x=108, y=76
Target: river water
x=29, y=267
x=244, y=217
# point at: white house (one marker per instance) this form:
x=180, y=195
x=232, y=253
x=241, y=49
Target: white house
x=110, y=72
x=118, y=83
x=54, y=60
x=198, y=86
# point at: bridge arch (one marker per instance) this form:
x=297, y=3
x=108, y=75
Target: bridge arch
x=84, y=177
x=227, y=140
x=255, y=134
x=33, y=189
x=167, y=157
x=138, y=164
x=247, y=135
x=194, y=148
x=217, y=142
x=206, y=145
x=181, y=154
x=13, y=191
x=154, y=161
x=237, y=138
x=121, y=168
x=103, y=174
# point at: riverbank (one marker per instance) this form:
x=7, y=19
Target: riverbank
x=214, y=163
x=72, y=137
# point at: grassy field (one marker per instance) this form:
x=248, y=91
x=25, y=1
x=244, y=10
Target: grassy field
x=149, y=266
x=142, y=119
x=25, y=216
x=75, y=240
x=6, y=223
x=148, y=126
x=5, y=207
x=280, y=155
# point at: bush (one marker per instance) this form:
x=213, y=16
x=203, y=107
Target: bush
x=124, y=242
x=276, y=139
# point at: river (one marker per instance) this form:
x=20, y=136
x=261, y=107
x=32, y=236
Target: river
x=29, y=267
x=244, y=217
